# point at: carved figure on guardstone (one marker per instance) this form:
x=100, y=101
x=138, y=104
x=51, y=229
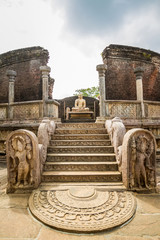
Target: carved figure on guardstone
x=143, y=167
x=138, y=159
x=23, y=165
x=133, y=161
x=21, y=156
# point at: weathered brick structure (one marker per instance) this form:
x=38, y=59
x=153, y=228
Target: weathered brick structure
x=26, y=91
x=120, y=79
x=26, y=63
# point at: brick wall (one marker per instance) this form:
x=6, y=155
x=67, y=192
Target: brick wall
x=26, y=62
x=120, y=78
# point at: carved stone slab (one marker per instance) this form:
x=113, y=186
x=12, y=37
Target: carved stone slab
x=82, y=209
x=23, y=165
x=138, y=160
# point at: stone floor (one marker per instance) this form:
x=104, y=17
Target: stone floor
x=16, y=221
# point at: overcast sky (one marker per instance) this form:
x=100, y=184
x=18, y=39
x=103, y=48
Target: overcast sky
x=75, y=32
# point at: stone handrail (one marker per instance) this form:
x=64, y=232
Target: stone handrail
x=45, y=130
x=116, y=131
x=28, y=110
x=123, y=109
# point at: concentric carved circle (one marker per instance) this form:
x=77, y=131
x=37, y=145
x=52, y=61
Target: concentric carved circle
x=84, y=192
x=69, y=210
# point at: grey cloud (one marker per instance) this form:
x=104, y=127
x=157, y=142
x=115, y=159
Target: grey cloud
x=98, y=16
x=113, y=21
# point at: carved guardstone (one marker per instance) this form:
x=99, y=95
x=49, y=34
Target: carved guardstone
x=23, y=165
x=138, y=160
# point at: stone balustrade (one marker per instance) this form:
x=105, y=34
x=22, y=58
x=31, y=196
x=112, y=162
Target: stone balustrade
x=28, y=110
x=126, y=109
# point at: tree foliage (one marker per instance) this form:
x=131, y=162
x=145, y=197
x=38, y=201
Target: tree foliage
x=88, y=92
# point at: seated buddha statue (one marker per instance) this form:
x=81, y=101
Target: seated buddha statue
x=80, y=104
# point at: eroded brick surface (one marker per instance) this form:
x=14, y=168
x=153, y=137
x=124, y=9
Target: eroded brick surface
x=120, y=78
x=26, y=62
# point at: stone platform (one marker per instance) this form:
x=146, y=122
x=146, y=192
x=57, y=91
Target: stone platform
x=80, y=115
x=82, y=208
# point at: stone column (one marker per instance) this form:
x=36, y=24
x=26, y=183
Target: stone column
x=45, y=72
x=139, y=87
x=11, y=75
x=101, y=71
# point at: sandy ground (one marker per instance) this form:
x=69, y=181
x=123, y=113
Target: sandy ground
x=16, y=221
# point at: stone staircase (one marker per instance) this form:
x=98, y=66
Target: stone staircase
x=81, y=153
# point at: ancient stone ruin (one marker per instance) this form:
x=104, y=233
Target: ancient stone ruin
x=83, y=160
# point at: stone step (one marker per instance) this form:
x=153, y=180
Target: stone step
x=158, y=154
x=81, y=157
x=3, y=159
x=80, y=149
x=79, y=136
x=80, y=142
x=82, y=120
x=110, y=186
x=80, y=131
x=80, y=125
x=81, y=176
x=81, y=166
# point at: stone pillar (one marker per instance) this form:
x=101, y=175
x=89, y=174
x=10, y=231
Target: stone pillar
x=101, y=71
x=45, y=72
x=11, y=75
x=139, y=87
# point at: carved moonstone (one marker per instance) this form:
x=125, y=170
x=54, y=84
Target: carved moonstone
x=82, y=209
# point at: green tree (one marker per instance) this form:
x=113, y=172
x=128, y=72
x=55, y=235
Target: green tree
x=88, y=92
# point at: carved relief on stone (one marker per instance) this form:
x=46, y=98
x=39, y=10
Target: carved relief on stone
x=45, y=130
x=127, y=110
x=116, y=130
x=138, y=159
x=83, y=209
x=23, y=164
